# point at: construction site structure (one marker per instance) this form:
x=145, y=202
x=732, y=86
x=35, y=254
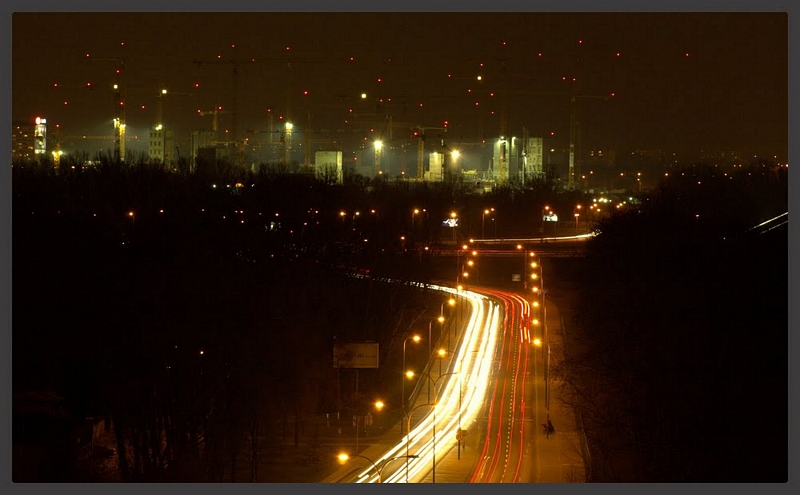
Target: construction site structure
x=118, y=88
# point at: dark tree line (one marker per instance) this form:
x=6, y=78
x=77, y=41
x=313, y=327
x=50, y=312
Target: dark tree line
x=677, y=357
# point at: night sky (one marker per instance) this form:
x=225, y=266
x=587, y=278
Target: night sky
x=681, y=82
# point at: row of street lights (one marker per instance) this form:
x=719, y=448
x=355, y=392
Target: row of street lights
x=344, y=457
x=410, y=374
x=441, y=353
x=416, y=338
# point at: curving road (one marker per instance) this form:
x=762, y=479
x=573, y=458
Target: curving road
x=509, y=427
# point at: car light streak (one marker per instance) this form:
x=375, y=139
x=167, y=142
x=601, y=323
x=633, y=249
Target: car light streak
x=459, y=400
x=504, y=445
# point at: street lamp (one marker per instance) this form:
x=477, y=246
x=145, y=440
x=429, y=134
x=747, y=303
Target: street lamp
x=343, y=457
x=545, y=212
x=430, y=348
x=451, y=302
x=441, y=354
x=408, y=430
x=454, y=224
x=546, y=356
x=367, y=419
x=410, y=374
x=416, y=339
x=483, y=221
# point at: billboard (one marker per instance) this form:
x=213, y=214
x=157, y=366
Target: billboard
x=355, y=355
x=550, y=217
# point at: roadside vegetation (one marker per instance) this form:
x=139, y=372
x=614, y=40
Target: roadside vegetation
x=677, y=356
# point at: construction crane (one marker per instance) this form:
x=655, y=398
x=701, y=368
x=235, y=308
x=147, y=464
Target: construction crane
x=58, y=138
x=119, y=105
x=418, y=131
x=235, y=63
x=160, y=96
x=573, y=96
x=215, y=120
x=573, y=125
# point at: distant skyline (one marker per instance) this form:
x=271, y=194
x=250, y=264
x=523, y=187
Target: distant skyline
x=681, y=82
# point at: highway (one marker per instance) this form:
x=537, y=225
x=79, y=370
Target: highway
x=493, y=387
x=488, y=389
x=459, y=395
x=508, y=411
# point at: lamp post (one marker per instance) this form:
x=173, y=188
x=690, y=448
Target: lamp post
x=459, y=313
x=410, y=374
x=343, y=457
x=415, y=338
x=454, y=224
x=546, y=356
x=430, y=348
x=483, y=222
x=460, y=433
x=545, y=212
x=441, y=353
x=366, y=419
x=408, y=430
x=451, y=302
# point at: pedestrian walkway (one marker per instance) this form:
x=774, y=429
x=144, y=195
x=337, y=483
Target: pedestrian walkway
x=558, y=456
